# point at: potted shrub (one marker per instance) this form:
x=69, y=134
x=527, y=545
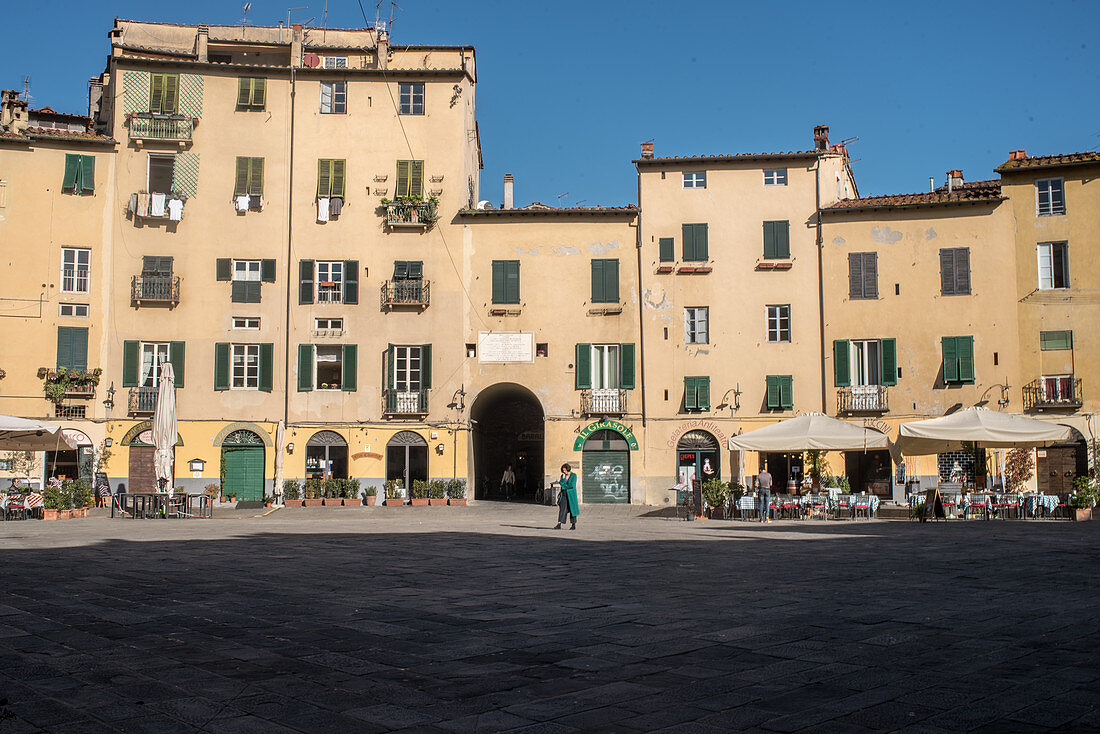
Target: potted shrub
x=313, y=492
x=419, y=492
x=1083, y=499
x=456, y=492
x=437, y=492
x=55, y=501
x=350, y=493
x=370, y=493
x=292, y=492
x=395, y=492
x=332, y=490
x=716, y=493
x=81, y=497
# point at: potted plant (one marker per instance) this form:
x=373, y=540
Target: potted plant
x=80, y=497
x=332, y=490
x=313, y=492
x=716, y=493
x=292, y=492
x=456, y=492
x=1084, y=498
x=817, y=465
x=351, y=493
x=395, y=492
x=419, y=493
x=370, y=493
x=437, y=492
x=55, y=501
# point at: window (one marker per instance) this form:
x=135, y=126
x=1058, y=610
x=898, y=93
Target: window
x=330, y=367
x=153, y=356
x=862, y=275
x=335, y=62
x=242, y=366
x=408, y=270
x=605, y=281
x=408, y=377
x=164, y=93
x=330, y=281
x=695, y=180
x=604, y=366
x=958, y=359
x=696, y=325
x=328, y=324
x=505, y=281
x=410, y=178
x=74, y=309
x=75, y=264
x=412, y=98
x=162, y=168
x=334, y=98
x=955, y=271
x=246, y=322
x=246, y=366
x=779, y=323
x=250, y=177
x=775, y=177
x=667, y=247
x=865, y=362
x=142, y=362
x=72, y=347
x=780, y=392
x=251, y=93
x=79, y=174
x=1050, y=197
x=777, y=240
x=330, y=177
x=156, y=267
x=1053, y=265
x=1055, y=340
x=246, y=281
x=695, y=242
x=1059, y=389
x=697, y=394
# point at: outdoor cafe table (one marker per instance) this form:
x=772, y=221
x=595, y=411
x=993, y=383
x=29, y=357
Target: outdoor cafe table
x=1036, y=505
x=160, y=505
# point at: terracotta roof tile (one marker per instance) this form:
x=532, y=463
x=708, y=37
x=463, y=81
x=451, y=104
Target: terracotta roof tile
x=55, y=113
x=5, y=135
x=967, y=193
x=538, y=208
x=1049, y=161
x=730, y=157
x=58, y=134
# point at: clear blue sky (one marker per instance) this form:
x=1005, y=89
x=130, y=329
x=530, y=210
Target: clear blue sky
x=567, y=90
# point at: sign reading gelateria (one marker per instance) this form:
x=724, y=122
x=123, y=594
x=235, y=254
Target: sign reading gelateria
x=601, y=425
x=501, y=347
x=709, y=426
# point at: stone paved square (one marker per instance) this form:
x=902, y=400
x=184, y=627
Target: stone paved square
x=485, y=619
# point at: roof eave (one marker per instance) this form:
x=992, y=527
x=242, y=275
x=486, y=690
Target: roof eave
x=1005, y=168
x=915, y=205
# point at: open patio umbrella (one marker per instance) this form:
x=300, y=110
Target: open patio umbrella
x=164, y=426
x=987, y=428
x=810, y=432
x=24, y=434
x=280, y=436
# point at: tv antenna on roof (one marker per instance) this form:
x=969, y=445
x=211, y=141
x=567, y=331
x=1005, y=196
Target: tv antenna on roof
x=244, y=14
x=27, y=88
x=379, y=24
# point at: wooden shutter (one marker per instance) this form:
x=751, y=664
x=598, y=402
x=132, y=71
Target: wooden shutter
x=324, y=177
x=947, y=272
x=855, y=275
x=950, y=359
x=962, y=271
x=888, y=356
x=667, y=247
x=964, y=345
x=391, y=355
x=416, y=178
x=350, y=368
x=338, y=177
x=244, y=91
x=267, y=360
x=870, y=275
x=425, y=366
x=80, y=347
x=583, y=373
x=72, y=170
x=64, y=348
x=769, y=240
x=626, y=366
x=691, y=400
x=783, y=239
x=87, y=173
x=597, y=281
x=402, y=188
x=702, y=393
x=351, y=282
x=611, y=281
x=305, y=367
x=841, y=367
x=786, y=392
x=400, y=269
x=156, y=92
x=255, y=177
x=689, y=243
x=267, y=271
x=259, y=92
x=130, y=360
x=702, y=251
x=221, y=366
x=176, y=355
x=416, y=269
x=498, y=281
x=223, y=268
x=772, y=383
x=511, y=281
x=240, y=292
x=305, y=281
x=170, y=105
x=244, y=167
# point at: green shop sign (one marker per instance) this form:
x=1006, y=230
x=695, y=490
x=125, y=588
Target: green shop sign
x=605, y=424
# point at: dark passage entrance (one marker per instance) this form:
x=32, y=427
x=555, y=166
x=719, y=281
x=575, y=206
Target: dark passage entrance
x=507, y=429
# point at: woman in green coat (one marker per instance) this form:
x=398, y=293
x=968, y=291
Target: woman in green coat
x=567, y=498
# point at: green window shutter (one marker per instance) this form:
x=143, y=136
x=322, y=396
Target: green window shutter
x=351, y=282
x=783, y=239
x=267, y=360
x=171, y=94
x=786, y=392
x=425, y=366
x=130, y=359
x=244, y=168
x=338, y=167
x=583, y=363
x=350, y=368
x=702, y=393
x=962, y=270
x=597, y=281
x=498, y=281
x=416, y=269
x=176, y=355
x=888, y=353
x=667, y=249
x=324, y=177
x=1053, y=340
x=64, y=347
x=259, y=92
x=950, y=359
x=511, y=281
x=221, y=366
x=402, y=188
x=965, y=347
x=416, y=178
x=87, y=173
x=772, y=382
x=626, y=366
x=244, y=91
x=689, y=243
x=80, y=347
x=400, y=269
x=305, y=367
x=702, y=249
x=691, y=400
x=947, y=272
x=391, y=353
x=223, y=268
x=239, y=291
x=855, y=275
x=305, y=281
x=769, y=240
x=611, y=281
x=72, y=170
x=841, y=369
x=267, y=271
x=72, y=347
x=156, y=92
x=256, y=177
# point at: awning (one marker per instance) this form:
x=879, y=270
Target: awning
x=982, y=426
x=810, y=432
x=24, y=434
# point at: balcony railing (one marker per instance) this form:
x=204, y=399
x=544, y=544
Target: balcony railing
x=142, y=400
x=405, y=293
x=74, y=280
x=155, y=289
x=405, y=402
x=330, y=292
x=863, y=399
x=152, y=126
x=410, y=214
x=603, y=401
x=1056, y=393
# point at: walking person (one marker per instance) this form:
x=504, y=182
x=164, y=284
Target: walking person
x=567, y=498
x=508, y=482
x=764, y=486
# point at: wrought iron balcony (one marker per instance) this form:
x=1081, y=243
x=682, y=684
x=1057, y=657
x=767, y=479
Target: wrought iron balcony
x=155, y=289
x=410, y=214
x=405, y=293
x=1054, y=393
x=154, y=126
x=142, y=400
x=863, y=399
x=330, y=292
x=603, y=401
x=405, y=402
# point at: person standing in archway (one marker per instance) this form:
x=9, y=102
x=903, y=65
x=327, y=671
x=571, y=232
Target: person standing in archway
x=508, y=482
x=567, y=498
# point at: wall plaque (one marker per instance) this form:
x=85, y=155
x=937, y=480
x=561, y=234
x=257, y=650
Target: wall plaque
x=502, y=347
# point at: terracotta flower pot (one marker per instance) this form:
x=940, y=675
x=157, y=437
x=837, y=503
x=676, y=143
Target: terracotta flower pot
x=419, y=501
x=313, y=502
x=1081, y=515
x=437, y=501
x=64, y=514
x=370, y=500
x=393, y=502
x=49, y=514
x=457, y=501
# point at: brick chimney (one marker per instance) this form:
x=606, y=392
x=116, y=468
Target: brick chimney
x=509, y=197
x=647, y=150
x=954, y=179
x=13, y=112
x=1017, y=155
x=821, y=137
x=202, y=41
x=296, y=45
x=382, y=52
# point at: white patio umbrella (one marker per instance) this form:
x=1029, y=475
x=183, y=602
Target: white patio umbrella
x=987, y=428
x=164, y=426
x=810, y=432
x=280, y=437
x=24, y=434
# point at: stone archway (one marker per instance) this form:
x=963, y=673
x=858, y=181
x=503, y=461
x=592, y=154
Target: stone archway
x=507, y=428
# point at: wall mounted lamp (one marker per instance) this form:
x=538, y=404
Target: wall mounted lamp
x=290, y=448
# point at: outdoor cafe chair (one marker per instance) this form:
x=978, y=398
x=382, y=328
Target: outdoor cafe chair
x=977, y=504
x=861, y=505
x=1006, y=505
x=842, y=502
x=817, y=506
x=789, y=506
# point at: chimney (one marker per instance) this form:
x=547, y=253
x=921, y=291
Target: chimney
x=382, y=52
x=647, y=150
x=821, y=137
x=13, y=112
x=202, y=40
x=296, y=45
x=954, y=179
x=509, y=198
x=932, y=183
x=1017, y=155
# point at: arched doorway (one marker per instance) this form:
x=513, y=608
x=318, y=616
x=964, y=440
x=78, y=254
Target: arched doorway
x=1057, y=466
x=243, y=466
x=507, y=429
x=72, y=463
x=605, y=468
x=326, y=455
x=697, y=457
x=407, y=458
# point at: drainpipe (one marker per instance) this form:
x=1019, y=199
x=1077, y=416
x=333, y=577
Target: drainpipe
x=641, y=298
x=289, y=263
x=820, y=281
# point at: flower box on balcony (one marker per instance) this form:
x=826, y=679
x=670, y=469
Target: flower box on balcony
x=664, y=270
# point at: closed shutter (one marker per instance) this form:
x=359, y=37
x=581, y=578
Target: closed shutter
x=690, y=399
x=965, y=347
x=597, y=281
x=244, y=92
x=841, y=368
x=498, y=281
x=702, y=248
x=87, y=173
x=667, y=247
x=870, y=275
x=786, y=392
x=511, y=281
x=170, y=104
x=611, y=280
x=855, y=275
x=781, y=239
x=337, y=178
x=769, y=240
x=402, y=188
x=350, y=368
x=72, y=170
x=256, y=177
x=259, y=92
x=305, y=281
x=400, y=269
x=246, y=291
x=605, y=477
x=176, y=355
x=888, y=351
x=324, y=177
x=223, y=269
x=416, y=178
x=583, y=373
x=425, y=366
x=240, y=185
x=416, y=269
x=947, y=272
x=702, y=393
x=305, y=367
x=267, y=364
x=351, y=282
x=689, y=242
x=72, y=347
x=130, y=359
x=156, y=92
x=64, y=348
x=626, y=366
x=772, y=382
x=950, y=359
x=221, y=366
x=962, y=271
x=267, y=271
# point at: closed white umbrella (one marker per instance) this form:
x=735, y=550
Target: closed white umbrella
x=810, y=432
x=24, y=434
x=164, y=426
x=982, y=426
x=280, y=436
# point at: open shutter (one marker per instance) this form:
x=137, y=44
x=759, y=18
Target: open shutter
x=259, y=92
x=130, y=360
x=786, y=392
x=72, y=170
x=305, y=367
x=769, y=240
x=221, y=366
x=416, y=269
x=338, y=178
x=772, y=382
x=256, y=177
x=691, y=401
x=702, y=251
x=702, y=393
x=350, y=368
x=305, y=281
x=583, y=372
x=80, y=347
x=87, y=173
x=965, y=348
x=324, y=177
x=267, y=359
x=689, y=243
x=888, y=353
x=402, y=188
x=326, y=97
x=597, y=281
x=425, y=366
x=176, y=355
x=783, y=239
x=416, y=178
x=156, y=92
x=950, y=359
x=267, y=271
x=391, y=356
x=240, y=185
x=870, y=275
x=400, y=269
x=223, y=269
x=841, y=368
x=244, y=91
x=511, y=281
x=855, y=275
x=962, y=271
x=626, y=366
x=667, y=248
x=170, y=104
x=351, y=282
x=947, y=272
x=498, y=281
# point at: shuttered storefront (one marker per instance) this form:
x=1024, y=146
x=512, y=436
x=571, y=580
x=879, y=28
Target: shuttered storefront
x=605, y=469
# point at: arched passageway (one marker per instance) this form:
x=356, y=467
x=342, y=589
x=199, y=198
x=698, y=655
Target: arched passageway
x=507, y=428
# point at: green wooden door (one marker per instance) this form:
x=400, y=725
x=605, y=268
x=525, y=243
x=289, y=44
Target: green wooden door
x=605, y=476
x=244, y=472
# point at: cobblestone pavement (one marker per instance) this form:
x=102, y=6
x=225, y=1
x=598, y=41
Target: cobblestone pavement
x=484, y=619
